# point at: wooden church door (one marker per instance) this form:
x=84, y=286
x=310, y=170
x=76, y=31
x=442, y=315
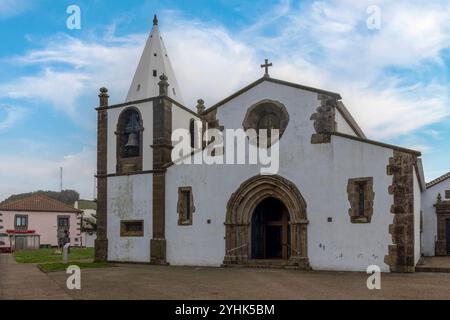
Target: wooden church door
x=270, y=231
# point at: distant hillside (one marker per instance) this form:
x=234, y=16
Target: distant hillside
x=67, y=196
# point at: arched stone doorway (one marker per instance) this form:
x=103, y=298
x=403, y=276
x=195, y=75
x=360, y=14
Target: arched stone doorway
x=242, y=207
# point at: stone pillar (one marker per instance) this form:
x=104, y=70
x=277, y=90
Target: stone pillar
x=101, y=243
x=442, y=214
x=162, y=148
x=400, y=257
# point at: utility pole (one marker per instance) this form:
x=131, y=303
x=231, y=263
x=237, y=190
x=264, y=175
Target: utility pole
x=60, y=178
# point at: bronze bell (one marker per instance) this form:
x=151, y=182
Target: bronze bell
x=132, y=141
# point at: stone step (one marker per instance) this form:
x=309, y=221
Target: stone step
x=432, y=269
x=267, y=264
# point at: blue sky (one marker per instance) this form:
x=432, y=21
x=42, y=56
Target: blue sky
x=395, y=80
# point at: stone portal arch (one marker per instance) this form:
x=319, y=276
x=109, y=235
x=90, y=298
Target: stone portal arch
x=241, y=207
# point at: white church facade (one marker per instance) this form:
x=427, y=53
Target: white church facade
x=338, y=200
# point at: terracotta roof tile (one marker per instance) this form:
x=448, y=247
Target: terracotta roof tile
x=37, y=202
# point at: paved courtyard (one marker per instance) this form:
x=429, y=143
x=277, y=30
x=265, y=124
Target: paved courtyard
x=25, y=281
x=154, y=282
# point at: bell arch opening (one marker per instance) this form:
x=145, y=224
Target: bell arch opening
x=274, y=204
x=129, y=143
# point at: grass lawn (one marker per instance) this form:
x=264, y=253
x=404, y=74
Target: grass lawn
x=49, y=260
x=49, y=255
x=58, y=266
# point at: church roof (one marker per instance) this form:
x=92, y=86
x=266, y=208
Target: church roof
x=153, y=63
x=37, y=202
x=282, y=82
x=438, y=180
x=341, y=107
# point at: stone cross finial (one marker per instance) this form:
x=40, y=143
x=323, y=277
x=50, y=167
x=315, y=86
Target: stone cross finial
x=155, y=20
x=103, y=97
x=200, y=106
x=163, y=85
x=266, y=66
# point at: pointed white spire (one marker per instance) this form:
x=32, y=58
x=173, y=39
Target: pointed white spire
x=154, y=62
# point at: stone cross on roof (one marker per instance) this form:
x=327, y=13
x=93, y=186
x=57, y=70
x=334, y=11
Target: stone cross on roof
x=266, y=66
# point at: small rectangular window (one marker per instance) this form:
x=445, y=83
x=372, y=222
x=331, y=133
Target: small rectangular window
x=361, y=185
x=185, y=206
x=21, y=222
x=361, y=198
x=63, y=221
x=447, y=194
x=155, y=73
x=132, y=228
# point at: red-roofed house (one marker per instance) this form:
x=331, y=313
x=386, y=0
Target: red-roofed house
x=37, y=221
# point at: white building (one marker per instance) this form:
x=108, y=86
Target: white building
x=339, y=201
x=88, y=222
x=436, y=217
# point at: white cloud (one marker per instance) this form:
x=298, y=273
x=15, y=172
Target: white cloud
x=326, y=45
x=209, y=63
x=61, y=89
x=12, y=115
x=25, y=173
x=72, y=70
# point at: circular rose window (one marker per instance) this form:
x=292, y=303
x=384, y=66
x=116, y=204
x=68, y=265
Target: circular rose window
x=267, y=115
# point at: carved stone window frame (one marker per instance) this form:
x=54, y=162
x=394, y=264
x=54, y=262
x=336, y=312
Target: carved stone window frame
x=128, y=164
x=185, y=218
x=263, y=108
x=125, y=233
x=354, y=199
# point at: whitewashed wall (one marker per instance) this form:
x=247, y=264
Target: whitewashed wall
x=321, y=173
x=89, y=239
x=129, y=198
x=146, y=110
x=181, y=118
x=429, y=234
x=342, y=125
